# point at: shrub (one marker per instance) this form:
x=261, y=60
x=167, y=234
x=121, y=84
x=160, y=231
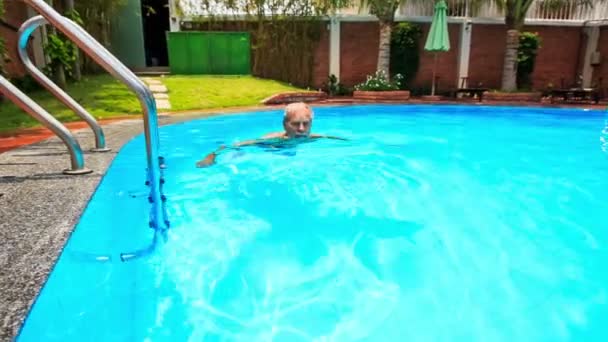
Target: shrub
x=26, y=83
x=529, y=43
x=380, y=82
x=405, y=55
x=335, y=88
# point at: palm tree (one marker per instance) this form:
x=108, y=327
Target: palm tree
x=515, y=15
x=384, y=10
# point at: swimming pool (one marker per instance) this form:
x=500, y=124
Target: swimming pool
x=430, y=223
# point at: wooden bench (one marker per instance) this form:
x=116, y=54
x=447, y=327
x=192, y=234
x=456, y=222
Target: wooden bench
x=470, y=91
x=575, y=94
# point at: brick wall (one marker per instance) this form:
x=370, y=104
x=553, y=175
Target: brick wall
x=447, y=62
x=321, y=60
x=15, y=14
x=487, y=55
x=358, y=51
x=558, y=57
x=359, y=55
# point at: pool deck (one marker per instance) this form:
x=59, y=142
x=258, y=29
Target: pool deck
x=39, y=206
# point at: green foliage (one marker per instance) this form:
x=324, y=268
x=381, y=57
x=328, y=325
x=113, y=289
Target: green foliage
x=259, y=8
x=383, y=9
x=284, y=33
x=26, y=83
x=565, y=9
x=380, y=82
x=405, y=56
x=335, y=88
x=96, y=20
x=515, y=11
x=529, y=43
x=60, y=50
x=102, y=96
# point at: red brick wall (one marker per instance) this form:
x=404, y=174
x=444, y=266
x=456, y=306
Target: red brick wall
x=447, y=62
x=557, y=59
x=15, y=14
x=487, y=55
x=358, y=51
x=321, y=60
x=359, y=55
x=558, y=56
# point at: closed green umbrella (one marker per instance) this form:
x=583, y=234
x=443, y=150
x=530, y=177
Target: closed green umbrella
x=438, y=39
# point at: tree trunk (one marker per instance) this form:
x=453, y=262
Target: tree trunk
x=509, y=69
x=384, y=48
x=105, y=31
x=58, y=72
x=68, y=6
x=59, y=77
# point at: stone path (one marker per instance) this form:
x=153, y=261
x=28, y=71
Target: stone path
x=160, y=91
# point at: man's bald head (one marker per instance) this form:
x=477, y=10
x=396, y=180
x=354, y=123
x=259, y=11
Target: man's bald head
x=297, y=119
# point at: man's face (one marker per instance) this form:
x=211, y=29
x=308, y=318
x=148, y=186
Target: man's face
x=298, y=123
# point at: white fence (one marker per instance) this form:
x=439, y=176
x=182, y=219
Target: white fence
x=574, y=10
x=567, y=10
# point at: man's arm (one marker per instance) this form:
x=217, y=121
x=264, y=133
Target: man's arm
x=210, y=158
x=318, y=136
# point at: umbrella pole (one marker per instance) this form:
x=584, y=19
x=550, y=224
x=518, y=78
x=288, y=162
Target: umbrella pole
x=434, y=70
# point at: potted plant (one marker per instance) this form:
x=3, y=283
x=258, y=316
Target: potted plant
x=379, y=87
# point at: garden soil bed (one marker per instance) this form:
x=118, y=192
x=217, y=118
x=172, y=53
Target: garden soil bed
x=392, y=95
x=518, y=97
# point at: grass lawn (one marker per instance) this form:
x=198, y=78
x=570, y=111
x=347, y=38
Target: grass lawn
x=204, y=92
x=101, y=95
x=105, y=97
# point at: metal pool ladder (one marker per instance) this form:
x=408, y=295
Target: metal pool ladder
x=158, y=217
x=25, y=32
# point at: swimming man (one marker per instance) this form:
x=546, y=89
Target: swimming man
x=297, y=122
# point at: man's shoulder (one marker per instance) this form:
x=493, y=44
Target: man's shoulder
x=274, y=135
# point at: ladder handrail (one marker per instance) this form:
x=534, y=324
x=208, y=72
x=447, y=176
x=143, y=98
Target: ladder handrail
x=24, y=35
x=110, y=63
x=33, y=109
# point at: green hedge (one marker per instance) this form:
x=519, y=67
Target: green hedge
x=405, y=56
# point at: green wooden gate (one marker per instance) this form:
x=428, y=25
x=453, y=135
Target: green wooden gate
x=214, y=53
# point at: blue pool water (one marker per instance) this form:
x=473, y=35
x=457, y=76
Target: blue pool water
x=432, y=223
